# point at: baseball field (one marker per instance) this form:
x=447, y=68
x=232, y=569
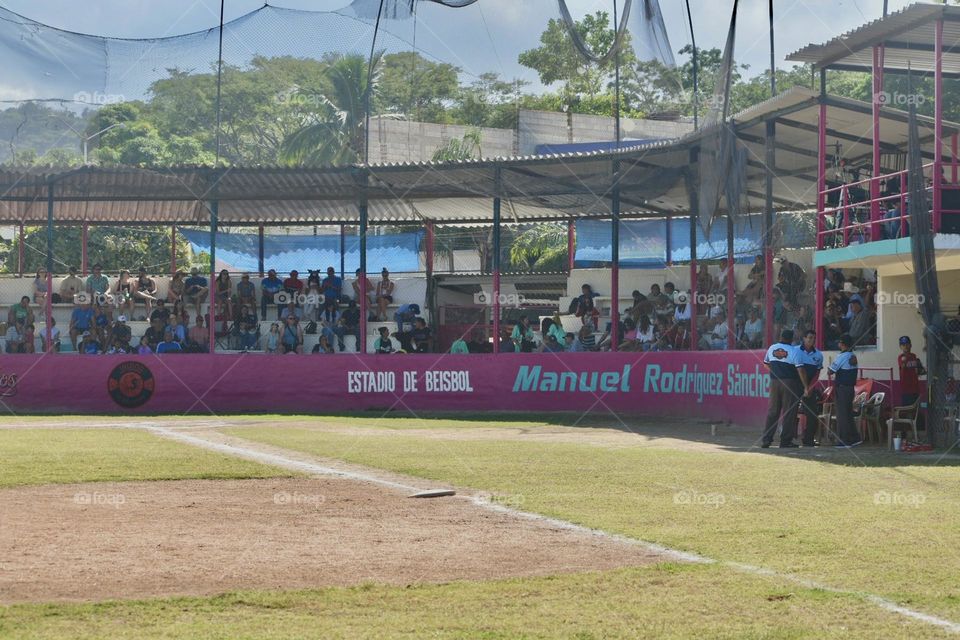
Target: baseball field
x=304, y=527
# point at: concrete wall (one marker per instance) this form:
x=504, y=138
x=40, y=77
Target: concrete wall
x=548, y=127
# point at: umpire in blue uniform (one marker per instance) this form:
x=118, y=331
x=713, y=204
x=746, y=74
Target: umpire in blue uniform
x=785, y=391
x=845, y=370
x=811, y=360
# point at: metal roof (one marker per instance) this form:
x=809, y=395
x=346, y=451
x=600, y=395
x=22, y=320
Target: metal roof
x=908, y=37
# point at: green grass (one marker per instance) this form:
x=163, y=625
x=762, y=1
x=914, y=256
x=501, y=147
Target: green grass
x=820, y=520
x=45, y=456
x=662, y=601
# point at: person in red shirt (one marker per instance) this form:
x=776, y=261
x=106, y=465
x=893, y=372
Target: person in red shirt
x=910, y=371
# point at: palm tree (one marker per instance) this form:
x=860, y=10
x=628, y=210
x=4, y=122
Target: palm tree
x=337, y=134
x=541, y=247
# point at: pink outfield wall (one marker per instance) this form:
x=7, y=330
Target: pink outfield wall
x=716, y=385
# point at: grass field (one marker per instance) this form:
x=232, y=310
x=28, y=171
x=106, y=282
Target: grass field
x=873, y=524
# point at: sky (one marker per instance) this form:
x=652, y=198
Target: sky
x=798, y=22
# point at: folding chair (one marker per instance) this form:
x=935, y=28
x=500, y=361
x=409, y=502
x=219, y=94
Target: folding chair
x=906, y=415
x=870, y=416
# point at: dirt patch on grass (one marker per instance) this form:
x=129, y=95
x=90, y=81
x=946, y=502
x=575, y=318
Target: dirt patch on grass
x=88, y=542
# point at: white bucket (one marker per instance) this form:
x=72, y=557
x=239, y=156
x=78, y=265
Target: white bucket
x=897, y=443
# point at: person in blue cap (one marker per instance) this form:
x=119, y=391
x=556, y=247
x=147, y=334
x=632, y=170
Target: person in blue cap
x=786, y=388
x=845, y=369
x=910, y=371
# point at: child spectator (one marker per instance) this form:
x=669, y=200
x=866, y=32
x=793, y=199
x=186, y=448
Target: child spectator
x=144, y=348
x=910, y=371
x=383, y=344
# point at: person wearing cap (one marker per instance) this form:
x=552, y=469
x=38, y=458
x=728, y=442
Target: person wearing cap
x=269, y=287
x=121, y=330
x=88, y=344
x=195, y=289
x=169, y=344
x=332, y=286
x=811, y=360
x=786, y=388
x=845, y=369
x=384, y=294
x=405, y=315
x=910, y=371
x=145, y=290
x=71, y=286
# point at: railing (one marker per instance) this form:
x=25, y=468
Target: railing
x=862, y=213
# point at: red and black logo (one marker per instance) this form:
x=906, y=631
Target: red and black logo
x=131, y=384
x=8, y=384
x=780, y=354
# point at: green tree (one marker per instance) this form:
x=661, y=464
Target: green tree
x=458, y=149
x=416, y=88
x=488, y=101
x=541, y=247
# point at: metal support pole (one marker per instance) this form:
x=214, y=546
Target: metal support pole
x=571, y=245
x=694, y=214
x=173, y=250
x=83, y=250
x=212, y=291
x=343, y=253
x=496, y=261
x=953, y=159
x=260, y=252
x=363, y=206
x=669, y=240
x=20, y=253
x=49, y=299
x=768, y=234
x=821, y=204
x=938, y=130
x=615, y=259
x=731, y=291
x=875, y=181
x=428, y=258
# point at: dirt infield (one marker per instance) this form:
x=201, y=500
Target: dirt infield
x=86, y=542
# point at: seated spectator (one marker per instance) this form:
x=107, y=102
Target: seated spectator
x=123, y=292
x=293, y=285
x=371, y=292
x=40, y=287
x=246, y=292
x=313, y=303
x=29, y=339
x=586, y=341
x=833, y=326
x=291, y=338
x=50, y=337
x=406, y=315
x=269, y=287
x=14, y=338
x=178, y=330
x=323, y=346
x=332, y=286
x=180, y=311
x=459, y=346
x=224, y=298
x=641, y=306
x=553, y=326
x=383, y=344
x=271, y=341
x=155, y=333
x=645, y=333
x=656, y=297
x=663, y=305
x=71, y=286
x=21, y=313
x=715, y=337
x=479, y=343
x=144, y=349
x=145, y=290
x=102, y=320
x=195, y=289
x=89, y=344
x=98, y=285
x=81, y=321
x=248, y=327
x=118, y=347
x=421, y=338
x=522, y=336
x=161, y=312
x=198, y=338
x=550, y=345
x=169, y=343
x=586, y=309
x=682, y=311
x=348, y=325
x=569, y=342
x=384, y=294
x=313, y=277
x=121, y=331
x=753, y=330
x=175, y=288
x=754, y=290
x=706, y=284
x=862, y=324
x=329, y=319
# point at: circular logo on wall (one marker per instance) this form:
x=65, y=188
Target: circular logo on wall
x=131, y=384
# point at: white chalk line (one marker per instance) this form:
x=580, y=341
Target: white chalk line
x=480, y=501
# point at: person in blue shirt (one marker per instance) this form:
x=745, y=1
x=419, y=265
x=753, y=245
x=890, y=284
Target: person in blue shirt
x=81, y=321
x=845, y=369
x=332, y=286
x=269, y=287
x=786, y=388
x=812, y=363
x=169, y=345
x=195, y=289
x=405, y=315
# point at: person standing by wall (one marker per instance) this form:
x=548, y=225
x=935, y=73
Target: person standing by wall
x=812, y=361
x=910, y=371
x=785, y=391
x=845, y=370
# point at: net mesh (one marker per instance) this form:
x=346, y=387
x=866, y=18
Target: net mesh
x=445, y=77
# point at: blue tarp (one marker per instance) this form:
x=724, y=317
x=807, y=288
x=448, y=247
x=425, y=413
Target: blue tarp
x=398, y=252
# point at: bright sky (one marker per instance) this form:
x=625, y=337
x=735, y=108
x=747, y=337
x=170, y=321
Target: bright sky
x=798, y=22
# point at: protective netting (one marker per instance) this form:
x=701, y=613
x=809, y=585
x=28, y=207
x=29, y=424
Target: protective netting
x=447, y=80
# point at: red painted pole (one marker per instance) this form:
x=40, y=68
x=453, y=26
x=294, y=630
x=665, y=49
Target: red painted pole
x=83, y=250
x=173, y=250
x=938, y=129
x=821, y=205
x=953, y=158
x=571, y=244
x=877, y=73
x=20, y=253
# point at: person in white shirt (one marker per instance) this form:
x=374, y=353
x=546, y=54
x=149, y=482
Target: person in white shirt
x=682, y=312
x=51, y=335
x=753, y=330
